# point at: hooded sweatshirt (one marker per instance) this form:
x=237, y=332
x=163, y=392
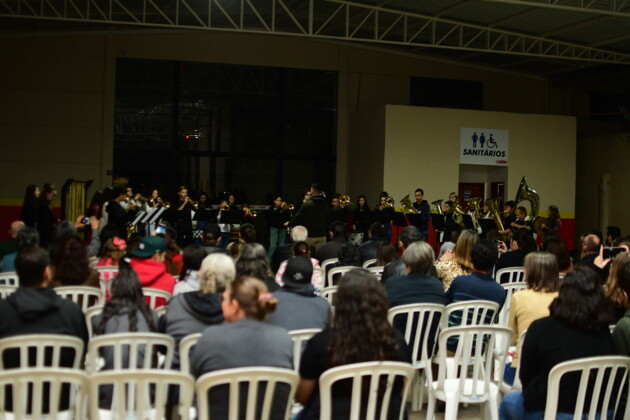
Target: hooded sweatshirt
x=40, y=311
x=190, y=313
x=152, y=274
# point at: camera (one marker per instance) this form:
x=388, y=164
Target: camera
x=612, y=251
x=160, y=230
x=86, y=220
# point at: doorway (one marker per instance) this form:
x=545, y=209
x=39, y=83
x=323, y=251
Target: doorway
x=468, y=190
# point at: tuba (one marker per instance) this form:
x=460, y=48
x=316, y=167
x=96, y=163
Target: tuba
x=494, y=211
x=407, y=206
x=524, y=193
x=438, y=206
x=458, y=215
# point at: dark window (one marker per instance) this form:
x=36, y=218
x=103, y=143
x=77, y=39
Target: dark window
x=446, y=93
x=250, y=130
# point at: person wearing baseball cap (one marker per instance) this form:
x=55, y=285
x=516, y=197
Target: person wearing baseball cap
x=299, y=305
x=148, y=263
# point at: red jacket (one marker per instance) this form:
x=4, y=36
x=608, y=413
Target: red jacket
x=153, y=274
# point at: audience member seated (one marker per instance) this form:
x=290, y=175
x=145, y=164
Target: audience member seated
x=577, y=327
x=338, y=234
x=285, y=251
x=518, y=249
x=528, y=305
x=148, y=263
x=386, y=254
x=65, y=229
x=34, y=308
x=613, y=291
x=419, y=285
x=111, y=252
x=409, y=235
x=479, y=284
x=254, y=263
x=299, y=305
x=173, y=256
x=359, y=332
x=191, y=312
x=557, y=247
x=302, y=250
x=244, y=340
x=457, y=261
x=376, y=235
x=212, y=239
x=348, y=256
x=72, y=267
x=621, y=333
x=590, y=250
x=8, y=247
x=189, y=279
x=125, y=311
x=26, y=238
x=246, y=235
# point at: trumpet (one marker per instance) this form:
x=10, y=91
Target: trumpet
x=225, y=207
x=194, y=203
x=287, y=206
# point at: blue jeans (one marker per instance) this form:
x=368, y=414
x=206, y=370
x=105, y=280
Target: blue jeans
x=513, y=408
x=277, y=236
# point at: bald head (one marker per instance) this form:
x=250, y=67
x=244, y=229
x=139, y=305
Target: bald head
x=16, y=226
x=591, y=244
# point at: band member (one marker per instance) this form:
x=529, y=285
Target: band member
x=129, y=203
x=454, y=198
x=183, y=217
x=338, y=212
x=424, y=211
x=362, y=216
x=277, y=216
x=520, y=222
x=450, y=226
x=508, y=208
x=384, y=214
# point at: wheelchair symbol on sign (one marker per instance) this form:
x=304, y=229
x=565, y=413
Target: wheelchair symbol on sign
x=491, y=143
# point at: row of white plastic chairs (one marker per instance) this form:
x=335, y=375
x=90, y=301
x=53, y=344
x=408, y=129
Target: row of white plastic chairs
x=132, y=386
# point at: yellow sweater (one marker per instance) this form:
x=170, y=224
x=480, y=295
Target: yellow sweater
x=526, y=306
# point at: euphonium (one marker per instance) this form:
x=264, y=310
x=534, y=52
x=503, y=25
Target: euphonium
x=494, y=212
x=407, y=206
x=475, y=210
x=524, y=193
x=438, y=206
x=458, y=215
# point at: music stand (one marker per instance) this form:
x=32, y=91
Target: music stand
x=468, y=223
x=487, y=225
x=439, y=225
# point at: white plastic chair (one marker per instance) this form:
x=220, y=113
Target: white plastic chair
x=510, y=289
x=90, y=313
x=45, y=349
x=299, y=337
x=605, y=376
x=6, y=290
x=376, y=396
x=336, y=271
x=10, y=278
x=185, y=346
x=127, y=347
x=517, y=385
x=421, y=332
x=369, y=263
x=37, y=393
x=132, y=393
x=324, y=264
x=157, y=297
x=84, y=296
x=328, y=293
x=254, y=376
x=473, y=312
x=470, y=380
x=106, y=273
x=510, y=275
x=377, y=271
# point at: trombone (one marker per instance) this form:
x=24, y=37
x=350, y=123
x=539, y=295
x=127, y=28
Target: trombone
x=344, y=200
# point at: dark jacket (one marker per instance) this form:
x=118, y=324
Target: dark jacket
x=313, y=215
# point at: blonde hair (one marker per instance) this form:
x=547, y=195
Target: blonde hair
x=217, y=271
x=463, y=248
x=253, y=297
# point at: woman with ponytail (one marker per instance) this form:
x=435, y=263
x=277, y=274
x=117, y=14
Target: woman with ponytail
x=246, y=339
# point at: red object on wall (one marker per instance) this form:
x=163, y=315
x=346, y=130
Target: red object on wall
x=9, y=214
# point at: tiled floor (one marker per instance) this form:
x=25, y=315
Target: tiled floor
x=473, y=411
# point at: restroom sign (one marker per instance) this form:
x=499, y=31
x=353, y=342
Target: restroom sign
x=483, y=146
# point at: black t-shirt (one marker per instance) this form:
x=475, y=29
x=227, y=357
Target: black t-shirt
x=315, y=361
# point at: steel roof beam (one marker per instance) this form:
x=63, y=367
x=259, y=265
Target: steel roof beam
x=603, y=7
x=332, y=19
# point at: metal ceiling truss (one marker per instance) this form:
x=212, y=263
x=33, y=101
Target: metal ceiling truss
x=616, y=8
x=326, y=19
